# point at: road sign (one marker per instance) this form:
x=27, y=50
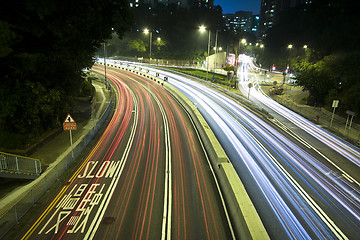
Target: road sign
x=335, y=103
x=69, y=123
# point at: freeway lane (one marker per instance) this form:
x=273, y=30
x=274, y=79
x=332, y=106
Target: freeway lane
x=297, y=193
x=146, y=178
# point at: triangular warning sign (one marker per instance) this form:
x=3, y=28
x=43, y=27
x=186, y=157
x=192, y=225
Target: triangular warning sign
x=69, y=123
x=69, y=119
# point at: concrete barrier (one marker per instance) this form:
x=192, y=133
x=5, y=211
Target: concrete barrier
x=245, y=219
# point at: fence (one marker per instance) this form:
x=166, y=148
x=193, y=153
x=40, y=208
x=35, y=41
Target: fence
x=22, y=167
x=40, y=186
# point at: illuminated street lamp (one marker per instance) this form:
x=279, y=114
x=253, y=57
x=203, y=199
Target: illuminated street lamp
x=290, y=46
x=305, y=47
x=146, y=31
x=203, y=29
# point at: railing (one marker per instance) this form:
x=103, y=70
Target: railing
x=18, y=166
x=40, y=186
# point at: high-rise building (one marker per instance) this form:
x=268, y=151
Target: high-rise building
x=241, y=21
x=269, y=12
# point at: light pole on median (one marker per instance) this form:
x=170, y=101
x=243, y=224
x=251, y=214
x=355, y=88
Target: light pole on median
x=203, y=29
x=146, y=31
x=216, y=48
x=105, y=59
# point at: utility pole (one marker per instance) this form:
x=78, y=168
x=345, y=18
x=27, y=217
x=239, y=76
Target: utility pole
x=105, y=59
x=207, y=63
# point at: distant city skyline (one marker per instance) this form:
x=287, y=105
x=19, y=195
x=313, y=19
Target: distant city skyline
x=232, y=6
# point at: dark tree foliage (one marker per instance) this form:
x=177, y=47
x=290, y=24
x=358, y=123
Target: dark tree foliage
x=177, y=27
x=44, y=45
x=328, y=68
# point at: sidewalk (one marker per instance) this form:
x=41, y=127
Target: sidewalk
x=55, y=150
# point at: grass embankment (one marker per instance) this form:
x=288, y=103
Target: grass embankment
x=211, y=77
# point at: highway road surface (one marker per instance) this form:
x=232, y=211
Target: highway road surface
x=300, y=191
x=148, y=176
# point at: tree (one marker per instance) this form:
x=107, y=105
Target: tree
x=137, y=45
x=44, y=47
x=327, y=68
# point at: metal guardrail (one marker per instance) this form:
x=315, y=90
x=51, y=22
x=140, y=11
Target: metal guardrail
x=27, y=199
x=18, y=166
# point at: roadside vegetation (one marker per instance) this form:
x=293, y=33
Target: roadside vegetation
x=325, y=52
x=44, y=46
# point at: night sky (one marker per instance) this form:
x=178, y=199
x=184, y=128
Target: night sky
x=232, y=6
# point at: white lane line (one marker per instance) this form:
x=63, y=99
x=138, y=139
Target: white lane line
x=319, y=211
x=104, y=204
x=303, y=141
x=212, y=172
x=167, y=212
x=166, y=224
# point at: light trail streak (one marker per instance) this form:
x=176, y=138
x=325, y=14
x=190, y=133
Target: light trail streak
x=104, y=204
x=334, y=142
x=295, y=184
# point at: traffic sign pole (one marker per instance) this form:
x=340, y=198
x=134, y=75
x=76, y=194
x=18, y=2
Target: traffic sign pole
x=334, y=105
x=70, y=124
x=72, y=151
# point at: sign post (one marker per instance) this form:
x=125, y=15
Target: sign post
x=352, y=114
x=70, y=124
x=334, y=105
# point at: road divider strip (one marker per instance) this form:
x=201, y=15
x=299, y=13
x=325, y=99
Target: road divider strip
x=244, y=217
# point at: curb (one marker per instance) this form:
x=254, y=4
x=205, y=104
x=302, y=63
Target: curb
x=244, y=217
x=246, y=221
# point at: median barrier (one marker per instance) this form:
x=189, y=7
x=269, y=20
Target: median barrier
x=244, y=217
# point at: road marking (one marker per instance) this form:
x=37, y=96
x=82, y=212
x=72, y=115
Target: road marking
x=166, y=223
x=212, y=171
x=320, y=212
x=63, y=190
x=104, y=204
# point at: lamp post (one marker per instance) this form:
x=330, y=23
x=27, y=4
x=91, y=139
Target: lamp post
x=105, y=59
x=203, y=29
x=146, y=31
x=216, y=48
x=290, y=47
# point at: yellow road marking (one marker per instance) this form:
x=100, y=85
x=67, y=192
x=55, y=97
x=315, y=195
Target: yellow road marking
x=60, y=194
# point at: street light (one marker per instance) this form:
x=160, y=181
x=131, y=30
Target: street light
x=290, y=46
x=105, y=60
x=146, y=31
x=216, y=48
x=203, y=29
